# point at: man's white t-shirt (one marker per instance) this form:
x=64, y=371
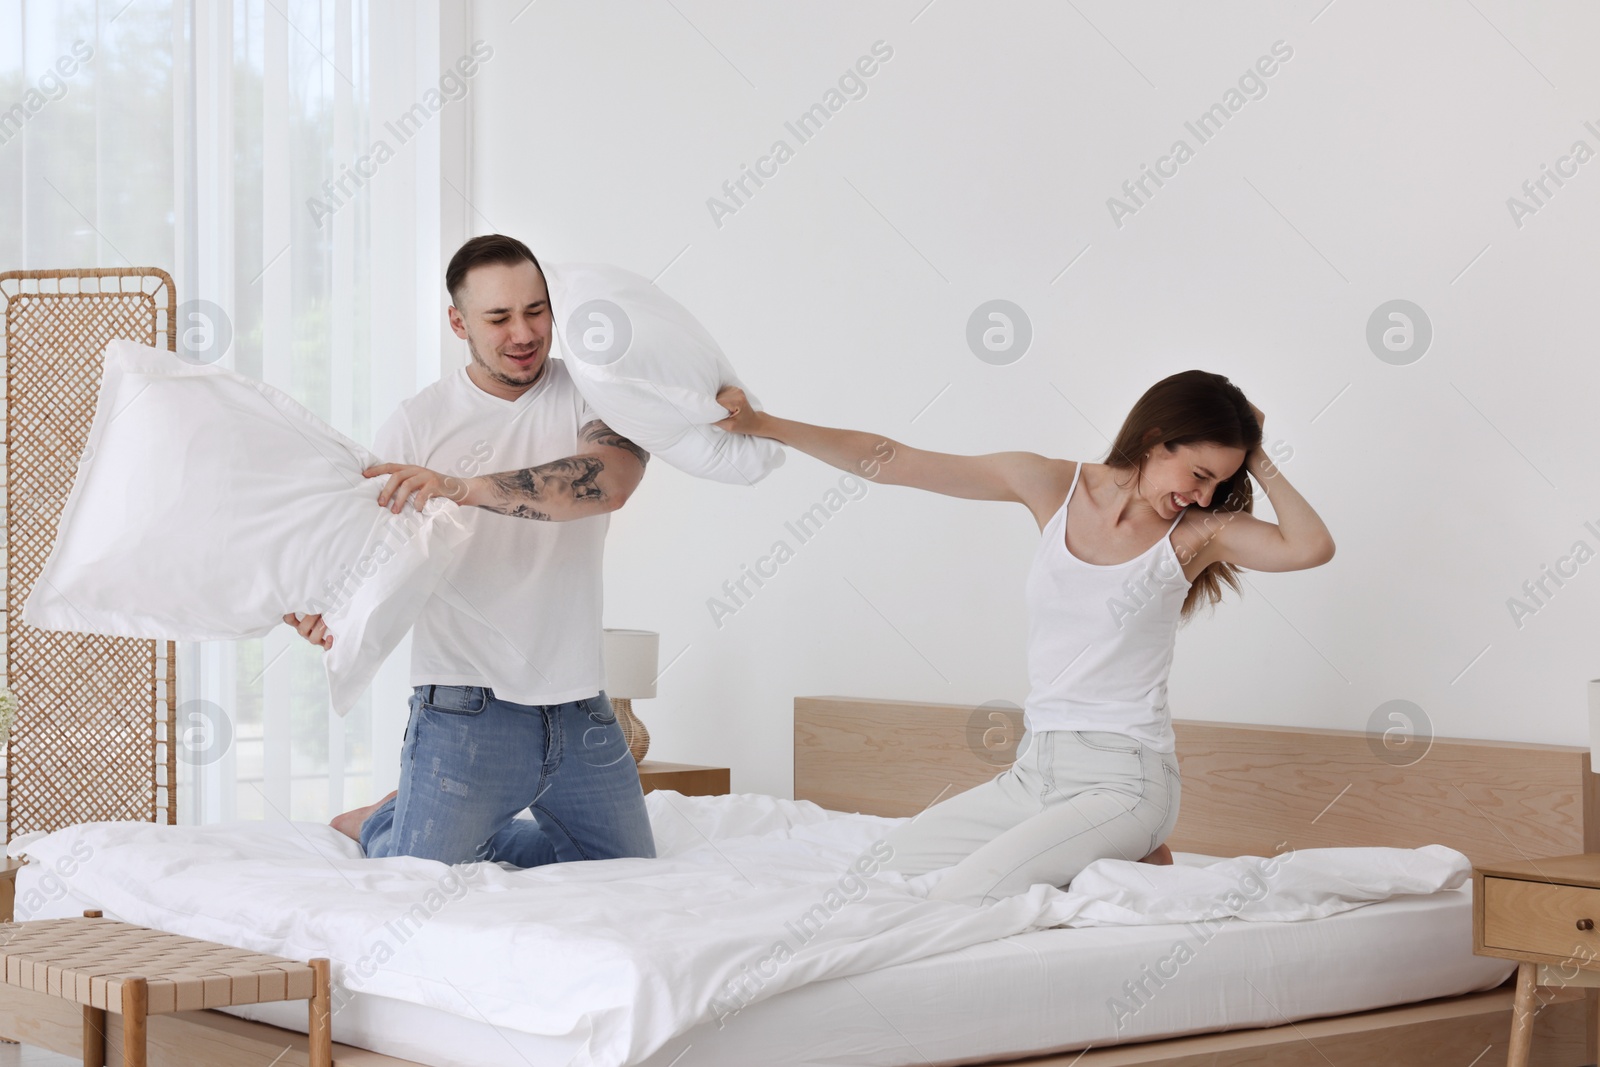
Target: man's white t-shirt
x=518, y=609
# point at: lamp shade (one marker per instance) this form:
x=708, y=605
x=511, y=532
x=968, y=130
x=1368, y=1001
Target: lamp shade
x=1594, y=725
x=631, y=657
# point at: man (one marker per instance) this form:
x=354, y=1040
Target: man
x=507, y=711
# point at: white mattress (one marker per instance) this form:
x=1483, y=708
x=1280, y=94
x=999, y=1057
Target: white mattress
x=1044, y=991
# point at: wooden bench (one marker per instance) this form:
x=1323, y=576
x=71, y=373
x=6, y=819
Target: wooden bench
x=135, y=972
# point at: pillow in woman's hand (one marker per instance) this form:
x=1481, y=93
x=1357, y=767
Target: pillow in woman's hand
x=652, y=372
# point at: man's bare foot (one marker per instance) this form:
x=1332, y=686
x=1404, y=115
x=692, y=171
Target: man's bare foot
x=1161, y=857
x=349, y=824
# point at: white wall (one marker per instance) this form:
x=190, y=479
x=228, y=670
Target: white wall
x=978, y=166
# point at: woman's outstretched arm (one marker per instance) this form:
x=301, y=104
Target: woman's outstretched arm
x=1021, y=477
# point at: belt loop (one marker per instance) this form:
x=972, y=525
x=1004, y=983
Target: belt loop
x=427, y=694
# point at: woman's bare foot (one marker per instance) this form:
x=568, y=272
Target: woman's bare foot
x=349, y=824
x=1161, y=857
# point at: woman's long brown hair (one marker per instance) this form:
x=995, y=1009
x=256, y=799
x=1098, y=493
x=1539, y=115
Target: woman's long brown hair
x=1190, y=408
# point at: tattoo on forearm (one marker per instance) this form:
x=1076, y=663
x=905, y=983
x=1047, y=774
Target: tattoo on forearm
x=598, y=433
x=525, y=494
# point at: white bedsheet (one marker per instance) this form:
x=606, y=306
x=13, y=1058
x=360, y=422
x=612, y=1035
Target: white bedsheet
x=1034, y=993
x=620, y=955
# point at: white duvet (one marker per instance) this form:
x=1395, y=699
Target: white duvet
x=749, y=896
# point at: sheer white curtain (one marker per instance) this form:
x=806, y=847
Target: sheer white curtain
x=233, y=144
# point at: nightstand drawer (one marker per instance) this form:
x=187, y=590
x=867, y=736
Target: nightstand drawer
x=1541, y=917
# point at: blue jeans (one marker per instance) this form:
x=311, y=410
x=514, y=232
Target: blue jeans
x=471, y=763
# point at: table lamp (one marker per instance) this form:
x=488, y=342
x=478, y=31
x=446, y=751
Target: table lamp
x=631, y=657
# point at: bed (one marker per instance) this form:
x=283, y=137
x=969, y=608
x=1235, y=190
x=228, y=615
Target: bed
x=1247, y=791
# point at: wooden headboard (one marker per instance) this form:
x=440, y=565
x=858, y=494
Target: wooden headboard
x=1247, y=790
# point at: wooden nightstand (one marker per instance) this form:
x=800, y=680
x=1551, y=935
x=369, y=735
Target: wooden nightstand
x=686, y=778
x=1543, y=914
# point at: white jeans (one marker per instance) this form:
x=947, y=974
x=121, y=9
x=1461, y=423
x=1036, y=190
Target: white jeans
x=1072, y=797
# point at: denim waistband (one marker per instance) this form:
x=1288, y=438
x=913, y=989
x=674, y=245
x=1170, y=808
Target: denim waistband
x=428, y=691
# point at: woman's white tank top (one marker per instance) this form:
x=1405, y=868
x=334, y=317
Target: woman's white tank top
x=1100, y=638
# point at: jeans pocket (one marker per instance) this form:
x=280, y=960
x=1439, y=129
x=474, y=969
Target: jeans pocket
x=1107, y=741
x=600, y=710
x=599, y=741
x=1095, y=759
x=455, y=699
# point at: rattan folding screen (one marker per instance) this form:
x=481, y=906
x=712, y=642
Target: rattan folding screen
x=93, y=736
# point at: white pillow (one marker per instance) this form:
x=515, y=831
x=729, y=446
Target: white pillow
x=207, y=505
x=652, y=372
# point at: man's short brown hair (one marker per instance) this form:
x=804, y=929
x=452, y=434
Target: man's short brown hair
x=490, y=248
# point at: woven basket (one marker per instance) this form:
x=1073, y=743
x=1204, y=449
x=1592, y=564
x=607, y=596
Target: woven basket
x=93, y=736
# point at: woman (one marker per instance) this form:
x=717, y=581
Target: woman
x=1130, y=546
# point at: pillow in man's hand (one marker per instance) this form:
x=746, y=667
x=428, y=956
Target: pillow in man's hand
x=208, y=505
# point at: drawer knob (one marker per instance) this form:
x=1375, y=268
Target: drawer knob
x=1586, y=924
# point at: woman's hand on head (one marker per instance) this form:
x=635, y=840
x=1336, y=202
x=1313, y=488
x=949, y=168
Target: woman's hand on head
x=742, y=418
x=1261, y=419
